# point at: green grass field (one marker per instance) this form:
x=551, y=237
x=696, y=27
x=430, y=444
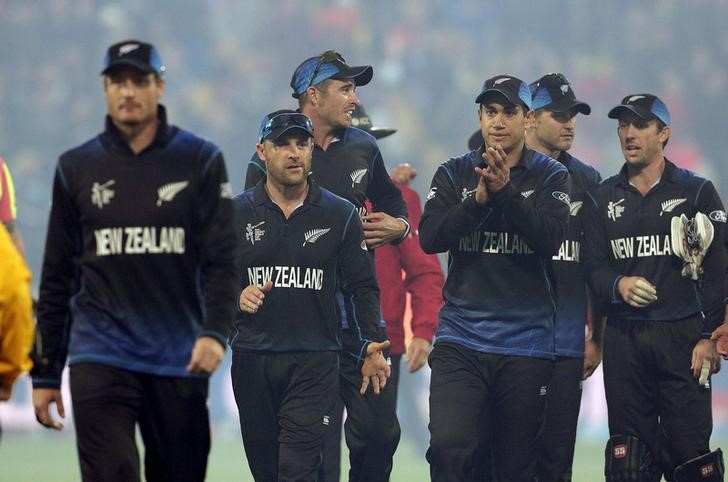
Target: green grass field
x=51, y=456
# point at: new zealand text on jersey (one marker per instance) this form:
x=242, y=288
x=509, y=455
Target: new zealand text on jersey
x=140, y=240
x=493, y=242
x=653, y=245
x=287, y=277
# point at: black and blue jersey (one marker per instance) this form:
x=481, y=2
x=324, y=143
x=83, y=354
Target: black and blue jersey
x=571, y=306
x=140, y=257
x=499, y=294
x=628, y=234
x=318, y=248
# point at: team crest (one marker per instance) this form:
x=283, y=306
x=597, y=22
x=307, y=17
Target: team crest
x=670, y=204
x=169, y=191
x=357, y=176
x=313, y=235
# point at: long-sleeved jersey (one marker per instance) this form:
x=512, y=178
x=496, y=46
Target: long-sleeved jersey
x=571, y=306
x=423, y=280
x=627, y=234
x=498, y=294
x=140, y=255
x=352, y=168
x=304, y=256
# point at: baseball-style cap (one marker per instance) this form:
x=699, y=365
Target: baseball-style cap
x=646, y=106
x=328, y=65
x=553, y=92
x=281, y=121
x=135, y=53
x=361, y=120
x=513, y=89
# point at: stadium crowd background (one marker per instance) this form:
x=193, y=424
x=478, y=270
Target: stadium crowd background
x=230, y=61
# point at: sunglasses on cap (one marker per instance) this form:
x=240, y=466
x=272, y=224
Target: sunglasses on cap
x=328, y=56
x=285, y=122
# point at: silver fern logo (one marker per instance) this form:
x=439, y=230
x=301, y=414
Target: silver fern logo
x=525, y=194
x=670, y=204
x=313, y=235
x=357, y=176
x=169, y=191
x=574, y=207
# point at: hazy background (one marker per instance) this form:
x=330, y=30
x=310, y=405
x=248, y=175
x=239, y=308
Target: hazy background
x=229, y=62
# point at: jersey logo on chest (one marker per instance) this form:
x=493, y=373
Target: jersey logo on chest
x=254, y=233
x=169, y=191
x=313, y=235
x=670, y=204
x=102, y=194
x=357, y=176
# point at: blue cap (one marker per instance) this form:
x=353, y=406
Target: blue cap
x=553, y=92
x=513, y=89
x=646, y=106
x=137, y=54
x=328, y=65
x=281, y=121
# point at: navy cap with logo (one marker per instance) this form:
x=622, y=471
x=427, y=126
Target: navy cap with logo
x=134, y=53
x=361, y=120
x=328, y=65
x=553, y=92
x=514, y=90
x=646, y=106
x=275, y=124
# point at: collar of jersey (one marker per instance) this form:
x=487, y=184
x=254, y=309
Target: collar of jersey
x=160, y=139
x=260, y=195
x=669, y=174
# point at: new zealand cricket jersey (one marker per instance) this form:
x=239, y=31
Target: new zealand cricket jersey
x=571, y=306
x=140, y=256
x=303, y=257
x=498, y=295
x=627, y=234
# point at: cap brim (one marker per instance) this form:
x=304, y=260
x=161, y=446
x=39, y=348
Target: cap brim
x=361, y=74
x=146, y=68
x=490, y=92
x=640, y=112
x=277, y=133
x=379, y=132
x=566, y=106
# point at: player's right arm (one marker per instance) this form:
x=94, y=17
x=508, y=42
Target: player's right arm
x=447, y=217
x=57, y=286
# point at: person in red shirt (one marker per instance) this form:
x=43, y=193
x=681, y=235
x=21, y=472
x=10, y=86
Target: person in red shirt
x=405, y=269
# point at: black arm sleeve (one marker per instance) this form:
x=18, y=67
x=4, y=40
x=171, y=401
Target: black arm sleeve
x=218, y=248
x=445, y=218
x=59, y=281
x=359, y=284
x=384, y=195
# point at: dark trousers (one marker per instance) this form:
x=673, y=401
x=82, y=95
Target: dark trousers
x=556, y=447
x=286, y=405
x=469, y=390
x=371, y=430
x=171, y=412
x=651, y=392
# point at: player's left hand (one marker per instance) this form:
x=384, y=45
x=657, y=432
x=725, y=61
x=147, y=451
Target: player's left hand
x=417, y=352
x=381, y=228
x=497, y=174
x=375, y=369
x=206, y=355
x=705, y=350
x=592, y=358
x=720, y=336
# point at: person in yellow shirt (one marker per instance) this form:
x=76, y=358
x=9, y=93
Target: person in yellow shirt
x=16, y=315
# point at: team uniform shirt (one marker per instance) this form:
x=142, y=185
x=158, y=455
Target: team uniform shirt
x=144, y=248
x=351, y=167
x=422, y=279
x=498, y=294
x=627, y=234
x=303, y=257
x=571, y=308
x=7, y=194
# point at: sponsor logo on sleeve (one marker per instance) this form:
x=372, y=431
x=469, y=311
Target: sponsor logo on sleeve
x=562, y=196
x=718, y=216
x=574, y=207
x=431, y=194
